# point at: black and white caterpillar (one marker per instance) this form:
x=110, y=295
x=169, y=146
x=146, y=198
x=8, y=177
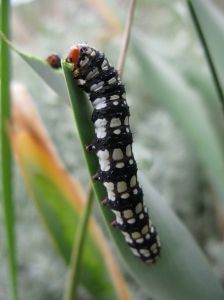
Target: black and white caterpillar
x=113, y=146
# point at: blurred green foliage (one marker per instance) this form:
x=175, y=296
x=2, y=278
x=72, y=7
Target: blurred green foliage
x=165, y=154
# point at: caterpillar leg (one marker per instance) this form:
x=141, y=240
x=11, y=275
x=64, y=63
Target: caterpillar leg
x=90, y=148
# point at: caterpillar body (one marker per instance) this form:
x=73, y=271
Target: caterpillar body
x=113, y=146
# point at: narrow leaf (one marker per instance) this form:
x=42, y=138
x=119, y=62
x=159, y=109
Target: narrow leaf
x=182, y=271
x=70, y=292
x=6, y=171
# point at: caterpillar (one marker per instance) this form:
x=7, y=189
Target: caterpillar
x=113, y=147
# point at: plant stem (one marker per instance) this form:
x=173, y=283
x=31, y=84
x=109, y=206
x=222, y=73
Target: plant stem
x=77, y=252
x=6, y=160
x=207, y=52
x=126, y=37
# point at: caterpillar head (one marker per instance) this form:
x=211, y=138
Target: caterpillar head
x=78, y=56
x=78, y=52
x=73, y=55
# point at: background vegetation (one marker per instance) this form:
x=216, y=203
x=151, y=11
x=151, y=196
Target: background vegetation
x=177, y=121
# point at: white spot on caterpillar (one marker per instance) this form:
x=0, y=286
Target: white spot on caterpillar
x=124, y=96
x=89, y=50
x=81, y=81
x=145, y=229
x=84, y=61
x=158, y=240
x=153, y=247
x=100, y=105
x=115, y=122
x=131, y=221
x=97, y=86
x=128, y=213
x=121, y=186
x=138, y=208
x=100, y=129
x=100, y=132
x=98, y=101
x=111, y=196
x=147, y=236
x=110, y=190
x=112, y=80
x=92, y=74
x=140, y=241
x=135, y=251
x=149, y=261
x=104, y=160
x=131, y=161
x=126, y=121
x=93, y=53
x=104, y=65
x=136, y=235
x=115, y=103
x=109, y=185
x=155, y=251
x=127, y=237
x=145, y=252
x=133, y=181
x=141, y=216
x=135, y=191
x=117, y=154
x=114, y=97
x=100, y=122
x=128, y=151
x=117, y=131
x=119, y=219
x=125, y=196
x=120, y=165
x=103, y=154
x=127, y=130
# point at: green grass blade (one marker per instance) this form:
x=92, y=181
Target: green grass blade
x=182, y=271
x=6, y=161
x=76, y=256
x=211, y=21
x=185, y=106
x=207, y=52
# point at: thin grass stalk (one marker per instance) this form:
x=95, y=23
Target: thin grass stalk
x=6, y=159
x=126, y=38
x=208, y=56
x=73, y=275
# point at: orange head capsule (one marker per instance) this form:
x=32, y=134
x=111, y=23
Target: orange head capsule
x=73, y=55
